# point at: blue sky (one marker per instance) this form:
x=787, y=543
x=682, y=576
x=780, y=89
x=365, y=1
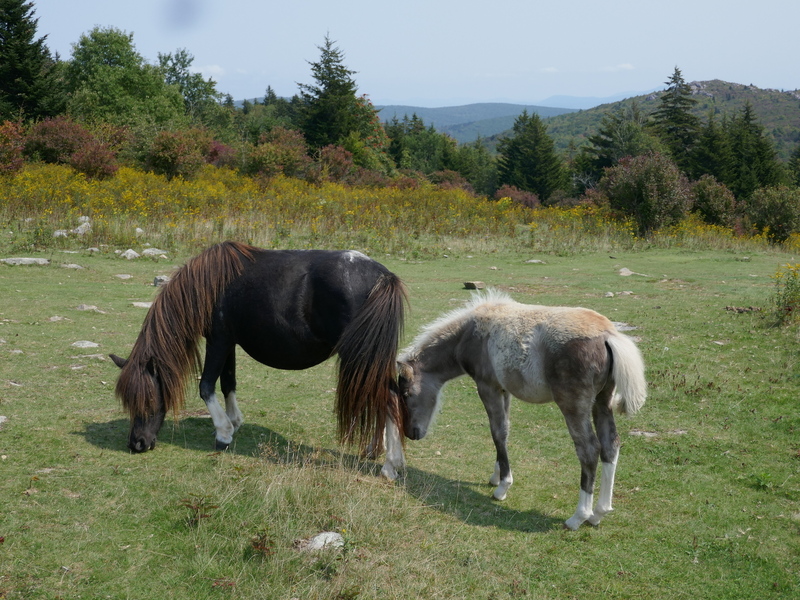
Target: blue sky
x=452, y=52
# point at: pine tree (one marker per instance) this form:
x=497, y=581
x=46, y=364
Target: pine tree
x=794, y=166
x=711, y=155
x=528, y=160
x=674, y=122
x=753, y=161
x=28, y=81
x=330, y=105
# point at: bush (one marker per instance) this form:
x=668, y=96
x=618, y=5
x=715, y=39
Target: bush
x=11, y=146
x=279, y=151
x=528, y=199
x=334, y=163
x=451, y=180
x=775, y=211
x=56, y=140
x=714, y=202
x=178, y=153
x=649, y=188
x=95, y=159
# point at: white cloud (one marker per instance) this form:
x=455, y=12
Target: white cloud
x=617, y=68
x=212, y=71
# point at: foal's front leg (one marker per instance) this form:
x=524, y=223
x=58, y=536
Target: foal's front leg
x=227, y=383
x=497, y=403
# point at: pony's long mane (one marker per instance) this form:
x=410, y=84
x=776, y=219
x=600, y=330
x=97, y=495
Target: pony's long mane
x=168, y=343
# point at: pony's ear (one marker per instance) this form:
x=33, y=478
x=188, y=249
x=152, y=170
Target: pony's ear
x=119, y=361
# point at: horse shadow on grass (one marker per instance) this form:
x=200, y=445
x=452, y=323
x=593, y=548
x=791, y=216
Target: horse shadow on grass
x=469, y=501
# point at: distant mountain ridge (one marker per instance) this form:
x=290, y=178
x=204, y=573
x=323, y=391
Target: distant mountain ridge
x=471, y=121
x=777, y=111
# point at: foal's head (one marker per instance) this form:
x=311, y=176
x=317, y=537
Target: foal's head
x=420, y=396
x=139, y=388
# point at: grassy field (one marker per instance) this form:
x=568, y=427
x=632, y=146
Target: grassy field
x=708, y=488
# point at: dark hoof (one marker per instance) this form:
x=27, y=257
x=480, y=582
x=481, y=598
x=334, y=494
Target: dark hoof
x=221, y=445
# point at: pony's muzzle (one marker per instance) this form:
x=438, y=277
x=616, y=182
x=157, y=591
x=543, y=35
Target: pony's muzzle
x=415, y=432
x=139, y=444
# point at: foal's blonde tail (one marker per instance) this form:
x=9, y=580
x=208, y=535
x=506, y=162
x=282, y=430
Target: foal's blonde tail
x=628, y=374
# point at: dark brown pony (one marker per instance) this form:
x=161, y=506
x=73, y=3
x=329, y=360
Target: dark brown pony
x=288, y=309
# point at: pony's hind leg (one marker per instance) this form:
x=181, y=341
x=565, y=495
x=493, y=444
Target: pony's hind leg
x=227, y=383
x=609, y=453
x=497, y=403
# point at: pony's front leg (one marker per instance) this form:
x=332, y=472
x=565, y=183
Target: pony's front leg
x=227, y=383
x=395, y=458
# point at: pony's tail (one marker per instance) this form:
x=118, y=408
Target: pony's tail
x=367, y=356
x=628, y=374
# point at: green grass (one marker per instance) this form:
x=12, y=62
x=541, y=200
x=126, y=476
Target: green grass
x=707, y=503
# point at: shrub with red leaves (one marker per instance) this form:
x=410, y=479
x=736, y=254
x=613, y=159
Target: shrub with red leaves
x=11, y=146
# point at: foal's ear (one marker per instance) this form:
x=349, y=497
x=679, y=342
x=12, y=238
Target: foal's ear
x=119, y=361
x=404, y=371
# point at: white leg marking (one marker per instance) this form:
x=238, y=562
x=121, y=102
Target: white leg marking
x=606, y=492
x=221, y=421
x=233, y=412
x=583, y=512
x=395, y=459
x=501, y=491
x=495, y=478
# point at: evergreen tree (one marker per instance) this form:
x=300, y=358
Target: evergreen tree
x=528, y=160
x=329, y=106
x=29, y=86
x=674, y=122
x=621, y=133
x=711, y=155
x=794, y=166
x=753, y=161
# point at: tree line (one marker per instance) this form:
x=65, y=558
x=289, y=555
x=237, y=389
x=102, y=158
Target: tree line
x=106, y=106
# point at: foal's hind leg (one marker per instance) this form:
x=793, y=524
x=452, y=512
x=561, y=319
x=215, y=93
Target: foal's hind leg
x=587, y=446
x=497, y=403
x=227, y=382
x=609, y=452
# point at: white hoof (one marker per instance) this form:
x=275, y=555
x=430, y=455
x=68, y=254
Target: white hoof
x=389, y=473
x=598, y=515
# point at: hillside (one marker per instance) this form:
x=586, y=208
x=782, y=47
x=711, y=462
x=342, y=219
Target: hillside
x=777, y=111
x=469, y=122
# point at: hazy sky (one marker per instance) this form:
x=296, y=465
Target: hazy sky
x=451, y=52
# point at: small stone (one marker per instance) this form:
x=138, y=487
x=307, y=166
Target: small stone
x=25, y=261
x=326, y=540
x=474, y=285
x=154, y=252
x=130, y=254
x=124, y=276
x=85, y=344
x=71, y=266
x=608, y=295
x=160, y=280
x=142, y=304
x=535, y=261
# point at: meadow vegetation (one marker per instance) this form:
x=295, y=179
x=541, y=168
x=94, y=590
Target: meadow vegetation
x=707, y=503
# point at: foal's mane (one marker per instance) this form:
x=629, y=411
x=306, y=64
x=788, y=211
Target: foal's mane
x=451, y=322
x=168, y=343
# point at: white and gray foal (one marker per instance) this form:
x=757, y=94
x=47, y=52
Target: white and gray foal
x=574, y=357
